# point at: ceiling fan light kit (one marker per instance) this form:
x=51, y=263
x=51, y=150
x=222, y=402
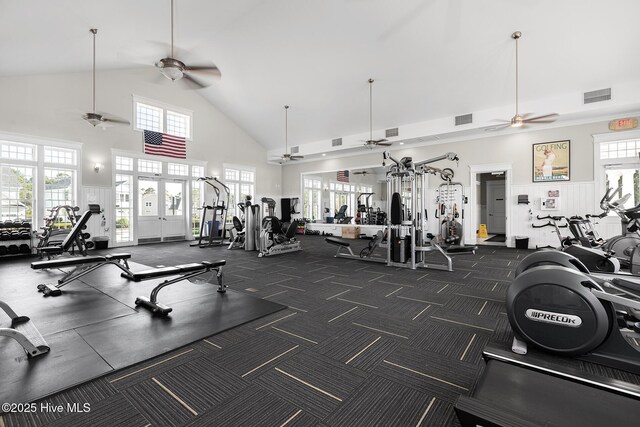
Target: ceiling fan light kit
x=171, y=68
x=174, y=69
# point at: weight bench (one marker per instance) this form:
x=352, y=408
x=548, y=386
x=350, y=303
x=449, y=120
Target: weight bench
x=84, y=265
x=184, y=272
x=342, y=245
x=24, y=332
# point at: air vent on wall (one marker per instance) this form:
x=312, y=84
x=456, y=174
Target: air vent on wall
x=464, y=119
x=390, y=133
x=597, y=96
x=336, y=142
x=295, y=150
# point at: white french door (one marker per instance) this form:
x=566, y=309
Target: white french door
x=161, y=210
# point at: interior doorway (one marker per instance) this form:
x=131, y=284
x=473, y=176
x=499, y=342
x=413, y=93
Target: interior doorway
x=492, y=203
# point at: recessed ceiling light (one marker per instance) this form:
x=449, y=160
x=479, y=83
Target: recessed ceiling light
x=324, y=154
x=402, y=143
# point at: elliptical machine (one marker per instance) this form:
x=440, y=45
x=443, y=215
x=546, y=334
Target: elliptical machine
x=557, y=305
x=592, y=257
x=625, y=246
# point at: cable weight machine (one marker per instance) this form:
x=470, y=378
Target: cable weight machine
x=406, y=204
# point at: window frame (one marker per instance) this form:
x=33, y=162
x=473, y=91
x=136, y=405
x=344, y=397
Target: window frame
x=600, y=166
x=231, y=183
x=165, y=107
x=38, y=190
x=313, y=188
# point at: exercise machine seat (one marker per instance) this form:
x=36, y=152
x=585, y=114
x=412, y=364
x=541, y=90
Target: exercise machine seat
x=336, y=241
x=69, y=262
x=153, y=273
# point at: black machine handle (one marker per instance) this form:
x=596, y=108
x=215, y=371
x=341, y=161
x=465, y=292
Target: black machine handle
x=548, y=224
x=555, y=218
x=602, y=215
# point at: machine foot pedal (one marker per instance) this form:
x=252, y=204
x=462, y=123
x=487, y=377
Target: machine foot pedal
x=155, y=307
x=518, y=346
x=49, y=290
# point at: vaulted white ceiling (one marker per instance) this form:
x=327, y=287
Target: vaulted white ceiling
x=431, y=59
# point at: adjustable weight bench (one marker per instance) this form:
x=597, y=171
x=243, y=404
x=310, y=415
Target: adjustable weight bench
x=184, y=272
x=84, y=265
x=72, y=238
x=24, y=332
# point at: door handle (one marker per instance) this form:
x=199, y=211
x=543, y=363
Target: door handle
x=164, y=219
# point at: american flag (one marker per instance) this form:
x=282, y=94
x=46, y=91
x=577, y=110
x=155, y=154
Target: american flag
x=343, y=176
x=162, y=144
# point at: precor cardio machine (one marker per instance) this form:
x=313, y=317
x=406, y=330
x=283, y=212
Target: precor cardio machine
x=624, y=246
x=590, y=255
x=555, y=304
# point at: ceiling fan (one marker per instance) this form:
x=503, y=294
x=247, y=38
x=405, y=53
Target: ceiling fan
x=97, y=118
x=520, y=120
x=287, y=156
x=372, y=143
x=174, y=69
x=363, y=173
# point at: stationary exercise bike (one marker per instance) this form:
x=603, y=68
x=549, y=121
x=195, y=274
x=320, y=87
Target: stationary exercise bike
x=555, y=304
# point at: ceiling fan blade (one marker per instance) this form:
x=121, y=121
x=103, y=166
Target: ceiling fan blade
x=192, y=82
x=501, y=120
x=499, y=127
x=114, y=119
x=533, y=121
x=541, y=117
x=296, y=157
x=210, y=70
x=386, y=144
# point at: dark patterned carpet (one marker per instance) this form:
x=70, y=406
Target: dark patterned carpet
x=361, y=344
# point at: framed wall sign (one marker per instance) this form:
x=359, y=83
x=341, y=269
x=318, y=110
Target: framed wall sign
x=551, y=161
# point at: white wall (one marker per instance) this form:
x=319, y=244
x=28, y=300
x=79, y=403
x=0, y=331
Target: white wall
x=51, y=106
x=577, y=196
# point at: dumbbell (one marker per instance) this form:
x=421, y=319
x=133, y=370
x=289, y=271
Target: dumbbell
x=89, y=245
x=25, y=224
x=85, y=236
x=13, y=249
x=8, y=223
x=5, y=235
x=24, y=248
x=3, y=250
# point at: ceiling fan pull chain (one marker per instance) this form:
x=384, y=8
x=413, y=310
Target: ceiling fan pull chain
x=286, y=129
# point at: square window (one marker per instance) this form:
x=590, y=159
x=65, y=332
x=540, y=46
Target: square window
x=148, y=117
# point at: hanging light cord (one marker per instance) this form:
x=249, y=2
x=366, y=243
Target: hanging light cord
x=172, y=28
x=517, y=39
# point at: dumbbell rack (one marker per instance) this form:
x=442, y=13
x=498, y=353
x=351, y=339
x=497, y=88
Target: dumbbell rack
x=15, y=238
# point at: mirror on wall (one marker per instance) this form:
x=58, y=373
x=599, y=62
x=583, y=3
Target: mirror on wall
x=352, y=196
